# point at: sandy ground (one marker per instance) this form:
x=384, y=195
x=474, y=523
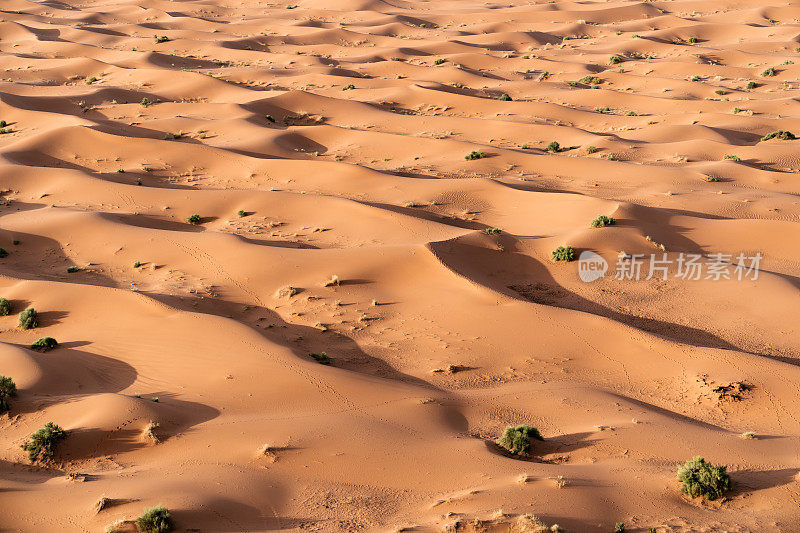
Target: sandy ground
x=340, y=130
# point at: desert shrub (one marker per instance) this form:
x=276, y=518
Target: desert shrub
x=242, y=213
x=439, y=61
x=751, y=85
x=161, y=39
x=321, y=358
x=517, y=439
x=780, y=134
x=602, y=220
x=270, y=118
x=475, y=154
x=720, y=92
x=42, y=444
x=693, y=40
x=72, y=269
x=5, y=307
x=769, y=72
x=695, y=78
x=3, y=252
x=493, y=231
x=348, y=87
x=8, y=389
x=700, y=478
x=591, y=149
x=619, y=527
x=3, y=123
x=712, y=178
x=591, y=80
x=45, y=344
x=564, y=253
x=504, y=97
x=554, y=147
x=155, y=520
x=194, y=219
x=732, y=157
x=29, y=318
x=614, y=60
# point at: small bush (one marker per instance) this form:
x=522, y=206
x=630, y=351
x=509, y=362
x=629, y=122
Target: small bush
x=751, y=85
x=475, y=154
x=29, y=318
x=194, y=219
x=45, y=344
x=769, y=72
x=348, y=87
x=602, y=220
x=553, y=147
x=42, y=444
x=564, y=253
x=439, y=61
x=321, y=358
x=161, y=39
x=517, y=439
x=504, y=97
x=270, y=118
x=493, y=231
x=780, y=134
x=242, y=213
x=619, y=527
x=614, y=60
x=700, y=478
x=155, y=520
x=712, y=178
x=732, y=157
x=72, y=269
x=693, y=40
x=720, y=92
x=591, y=149
x=3, y=252
x=591, y=80
x=8, y=389
x=5, y=307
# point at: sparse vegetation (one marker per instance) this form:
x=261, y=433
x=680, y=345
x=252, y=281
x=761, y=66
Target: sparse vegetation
x=553, y=147
x=8, y=390
x=321, y=358
x=29, y=318
x=751, y=85
x=5, y=307
x=504, y=97
x=194, y=219
x=161, y=39
x=731, y=157
x=242, y=213
x=591, y=149
x=493, y=231
x=700, y=478
x=42, y=445
x=614, y=60
x=155, y=520
x=602, y=220
x=348, y=87
x=619, y=527
x=517, y=439
x=711, y=178
x=591, y=80
x=769, y=72
x=3, y=252
x=45, y=344
x=475, y=154
x=564, y=253
x=780, y=134
x=439, y=61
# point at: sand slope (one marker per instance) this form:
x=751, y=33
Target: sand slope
x=339, y=130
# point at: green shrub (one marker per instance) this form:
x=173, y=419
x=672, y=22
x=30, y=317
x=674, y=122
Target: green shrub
x=45, y=344
x=712, y=178
x=155, y=520
x=591, y=80
x=161, y=39
x=619, y=527
x=3, y=252
x=700, y=478
x=3, y=123
x=564, y=253
x=29, y=318
x=5, y=307
x=8, y=389
x=693, y=40
x=72, y=269
x=348, y=87
x=614, y=60
x=194, y=219
x=720, y=92
x=321, y=358
x=751, y=85
x=242, y=213
x=493, y=231
x=602, y=220
x=553, y=147
x=475, y=154
x=591, y=149
x=769, y=72
x=780, y=134
x=270, y=118
x=439, y=61
x=504, y=97
x=732, y=157
x=42, y=444
x=517, y=439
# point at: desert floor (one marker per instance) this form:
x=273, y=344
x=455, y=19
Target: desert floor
x=339, y=130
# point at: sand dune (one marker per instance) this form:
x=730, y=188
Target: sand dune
x=322, y=146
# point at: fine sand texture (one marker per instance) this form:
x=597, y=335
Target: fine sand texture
x=322, y=145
